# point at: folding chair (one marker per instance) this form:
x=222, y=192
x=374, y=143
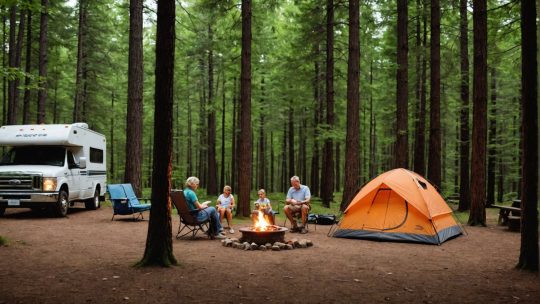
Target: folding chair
x=188, y=219
x=125, y=202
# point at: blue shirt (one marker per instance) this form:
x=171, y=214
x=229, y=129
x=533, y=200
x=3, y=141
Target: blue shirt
x=191, y=198
x=301, y=194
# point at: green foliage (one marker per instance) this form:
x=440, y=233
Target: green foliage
x=288, y=42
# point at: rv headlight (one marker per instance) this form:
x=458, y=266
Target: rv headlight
x=49, y=183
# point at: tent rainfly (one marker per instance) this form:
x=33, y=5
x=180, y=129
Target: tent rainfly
x=398, y=205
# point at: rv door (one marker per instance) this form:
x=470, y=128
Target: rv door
x=74, y=177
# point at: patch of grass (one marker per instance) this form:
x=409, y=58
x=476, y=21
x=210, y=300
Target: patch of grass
x=4, y=241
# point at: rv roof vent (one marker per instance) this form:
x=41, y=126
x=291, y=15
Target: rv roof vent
x=81, y=125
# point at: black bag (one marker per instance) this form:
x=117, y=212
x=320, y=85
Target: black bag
x=326, y=219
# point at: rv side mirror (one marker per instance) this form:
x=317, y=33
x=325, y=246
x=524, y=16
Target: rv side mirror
x=82, y=162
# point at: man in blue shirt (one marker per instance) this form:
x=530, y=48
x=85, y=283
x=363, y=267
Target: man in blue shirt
x=297, y=201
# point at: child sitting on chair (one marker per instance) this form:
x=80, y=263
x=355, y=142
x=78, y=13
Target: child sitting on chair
x=225, y=205
x=263, y=205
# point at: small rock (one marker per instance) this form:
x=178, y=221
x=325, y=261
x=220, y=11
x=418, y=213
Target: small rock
x=275, y=248
x=309, y=243
x=303, y=244
x=268, y=245
x=254, y=246
x=116, y=277
x=126, y=298
x=262, y=247
x=235, y=240
x=289, y=247
x=104, y=279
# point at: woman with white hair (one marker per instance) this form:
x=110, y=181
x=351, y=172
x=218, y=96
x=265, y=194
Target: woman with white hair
x=192, y=183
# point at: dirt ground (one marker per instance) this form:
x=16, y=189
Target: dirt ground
x=87, y=258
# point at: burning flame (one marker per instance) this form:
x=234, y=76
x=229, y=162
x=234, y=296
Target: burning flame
x=261, y=224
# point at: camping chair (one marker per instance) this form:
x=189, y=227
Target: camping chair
x=125, y=202
x=298, y=217
x=188, y=220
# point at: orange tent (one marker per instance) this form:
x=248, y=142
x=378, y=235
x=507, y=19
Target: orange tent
x=398, y=205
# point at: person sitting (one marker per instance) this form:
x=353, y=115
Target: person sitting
x=225, y=205
x=263, y=204
x=297, y=201
x=192, y=183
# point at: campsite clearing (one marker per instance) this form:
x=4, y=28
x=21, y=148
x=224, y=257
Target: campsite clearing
x=87, y=258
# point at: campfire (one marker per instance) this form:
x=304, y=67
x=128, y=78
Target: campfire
x=262, y=225
x=263, y=232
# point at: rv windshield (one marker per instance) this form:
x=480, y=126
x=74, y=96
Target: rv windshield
x=35, y=155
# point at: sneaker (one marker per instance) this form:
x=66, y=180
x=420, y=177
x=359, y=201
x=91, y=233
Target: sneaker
x=231, y=231
x=220, y=236
x=303, y=230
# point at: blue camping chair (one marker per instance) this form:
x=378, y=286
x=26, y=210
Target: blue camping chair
x=125, y=202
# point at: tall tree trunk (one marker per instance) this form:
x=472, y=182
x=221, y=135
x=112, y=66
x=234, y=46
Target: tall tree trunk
x=222, y=177
x=420, y=138
x=314, y=186
x=434, y=163
x=28, y=67
x=477, y=214
x=327, y=183
x=211, y=188
x=402, y=82
x=234, y=152
x=464, y=190
x=4, y=66
x=290, y=143
x=12, y=107
x=111, y=137
x=43, y=61
x=372, y=129
x=79, y=77
x=134, y=117
x=18, y=62
x=261, y=159
x=244, y=165
x=352, y=140
x=159, y=249
x=492, y=150
x=189, y=154
x=528, y=258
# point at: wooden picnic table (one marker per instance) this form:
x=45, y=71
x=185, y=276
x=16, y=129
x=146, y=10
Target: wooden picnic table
x=507, y=213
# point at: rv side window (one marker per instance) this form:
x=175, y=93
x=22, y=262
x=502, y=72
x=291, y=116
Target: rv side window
x=96, y=155
x=71, y=161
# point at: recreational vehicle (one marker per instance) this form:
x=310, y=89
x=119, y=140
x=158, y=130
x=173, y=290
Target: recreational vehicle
x=52, y=167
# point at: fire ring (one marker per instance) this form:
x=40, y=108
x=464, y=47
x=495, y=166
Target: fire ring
x=272, y=235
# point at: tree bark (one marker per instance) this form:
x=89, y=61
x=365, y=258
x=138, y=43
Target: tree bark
x=464, y=190
x=261, y=159
x=4, y=65
x=28, y=67
x=223, y=110
x=434, y=163
x=159, y=249
x=477, y=214
x=402, y=90
x=12, y=106
x=290, y=143
x=327, y=183
x=352, y=140
x=244, y=165
x=43, y=61
x=420, y=138
x=211, y=188
x=134, y=117
x=79, y=77
x=492, y=150
x=529, y=257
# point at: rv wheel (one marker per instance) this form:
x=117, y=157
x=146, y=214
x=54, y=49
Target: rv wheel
x=93, y=203
x=61, y=207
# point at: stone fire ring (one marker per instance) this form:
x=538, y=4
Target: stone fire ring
x=263, y=237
